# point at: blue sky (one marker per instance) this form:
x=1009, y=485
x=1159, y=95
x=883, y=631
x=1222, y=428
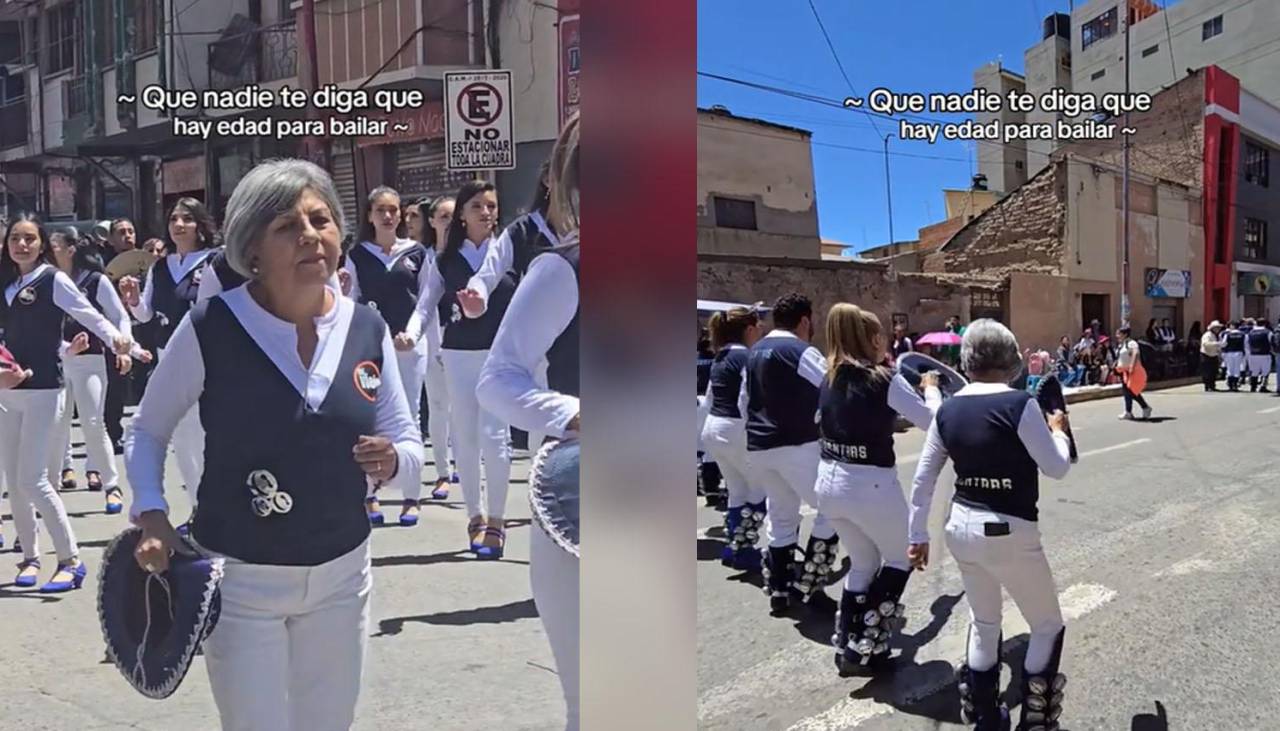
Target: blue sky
x=924, y=46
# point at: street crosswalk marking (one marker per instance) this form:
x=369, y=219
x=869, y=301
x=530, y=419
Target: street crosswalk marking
x=1113, y=447
x=1271, y=410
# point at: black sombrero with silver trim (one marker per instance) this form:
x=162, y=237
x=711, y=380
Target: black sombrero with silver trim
x=913, y=366
x=553, y=492
x=1051, y=397
x=154, y=624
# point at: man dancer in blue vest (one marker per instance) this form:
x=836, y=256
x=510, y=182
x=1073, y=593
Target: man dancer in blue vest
x=1257, y=348
x=784, y=373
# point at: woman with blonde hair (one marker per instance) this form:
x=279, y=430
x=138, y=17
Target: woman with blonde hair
x=857, y=488
x=724, y=435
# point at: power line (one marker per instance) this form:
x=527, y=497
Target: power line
x=839, y=65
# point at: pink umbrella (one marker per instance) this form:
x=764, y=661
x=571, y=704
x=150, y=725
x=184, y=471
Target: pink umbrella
x=939, y=338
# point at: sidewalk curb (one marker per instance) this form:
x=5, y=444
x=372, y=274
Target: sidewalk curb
x=1113, y=391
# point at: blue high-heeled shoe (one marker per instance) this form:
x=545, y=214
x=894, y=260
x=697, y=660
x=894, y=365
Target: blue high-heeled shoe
x=475, y=531
x=441, y=490
x=492, y=553
x=114, y=508
x=77, y=578
x=407, y=520
x=375, y=516
x=26, y=581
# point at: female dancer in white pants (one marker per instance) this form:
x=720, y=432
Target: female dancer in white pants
x=541, y=324
x=388, y=273
x=724, y=434
x=857, y=485
x=85, y=366
x=301, y=401
x=171, y=288
x=34, y=298
x=1000, y=444
x=463, y=348
x=433, y=219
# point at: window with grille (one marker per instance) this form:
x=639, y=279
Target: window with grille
x=140, y=25
x=733, y=213
x=1211, y=28
x=984, y=299
x=1255, y=238
x=1257, y=164
x=1103, y=26
x=62, y=39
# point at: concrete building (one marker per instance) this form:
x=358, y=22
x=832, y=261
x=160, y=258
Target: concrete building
x=756, y=193
x=961, y=205
x=71, y=150
x=1005, y=166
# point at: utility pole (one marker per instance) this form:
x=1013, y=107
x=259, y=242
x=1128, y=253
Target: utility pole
x=1125, y=304
x=888, y=190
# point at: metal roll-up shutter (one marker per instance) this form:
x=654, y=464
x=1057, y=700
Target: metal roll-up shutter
x=421, y=172
x=344, y=179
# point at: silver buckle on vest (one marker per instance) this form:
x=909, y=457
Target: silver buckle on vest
x=268, y=498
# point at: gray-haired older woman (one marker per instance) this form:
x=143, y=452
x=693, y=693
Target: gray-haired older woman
x=301, y=405
x=1000, y=444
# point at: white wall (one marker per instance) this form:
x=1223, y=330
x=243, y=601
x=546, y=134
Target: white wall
x=528, y=40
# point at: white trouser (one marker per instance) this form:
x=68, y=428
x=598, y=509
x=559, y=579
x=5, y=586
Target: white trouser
x=87, y=387
x=725, y=440
x=1015, y=562
x=288, y=652
x=867, y=508
x=188, y=449
x=553, y=576
x=788, y=475
x=475, y=431
x=438, y=417
x=26, y=431
x=540, y=378
x=1259, y=365
x=1234, y=363
x=411, y=363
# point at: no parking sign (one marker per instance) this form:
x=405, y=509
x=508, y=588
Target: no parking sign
x=478, y=127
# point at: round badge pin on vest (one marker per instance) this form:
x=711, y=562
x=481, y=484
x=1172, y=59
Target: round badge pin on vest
x=456, y=315
x=27, y=296
x=368, y=379
x=262, y=506
x=282, y=502
x=263, y=482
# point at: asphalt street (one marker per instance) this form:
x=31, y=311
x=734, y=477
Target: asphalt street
x=1162, y=540
x=455, y=642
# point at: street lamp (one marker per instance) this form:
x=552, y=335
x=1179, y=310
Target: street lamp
x=888, y=191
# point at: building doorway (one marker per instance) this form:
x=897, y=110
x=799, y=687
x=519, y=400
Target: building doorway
x=1095, y=307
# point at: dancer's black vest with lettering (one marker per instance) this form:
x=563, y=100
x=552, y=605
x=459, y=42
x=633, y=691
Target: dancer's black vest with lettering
x=726, y=381
x=254, y=419
x=993, y=469
x=394, y=291
x=781, y=404
x=462, y=332
x=71, y=328
x=1234, y=342
x=562, y=357
x=857, y=423
x=1259, y=341
x=32, y=326
x=172, y=300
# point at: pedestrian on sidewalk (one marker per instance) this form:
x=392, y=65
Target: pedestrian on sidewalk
x=1210, y=356
x=857, y=486
x=1133, y=377
x=1000, y=443
x=290, y=451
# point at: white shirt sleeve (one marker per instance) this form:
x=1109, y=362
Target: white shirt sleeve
x=113, y=308
x=395, y=422
x=932, y=460
x=905, y=400
x=813, y=366
x=350, y=268
x=143, y=312
x=210, y=285
x=175, y=386
x=70, y=300
x=498, y=260
x=1051, y=450
x=743, y=397
x=543, y=306
x=423, y=319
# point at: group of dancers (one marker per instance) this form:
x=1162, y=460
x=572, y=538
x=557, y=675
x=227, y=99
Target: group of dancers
x=788, y=425
x=290, y=373
x=1247, y=349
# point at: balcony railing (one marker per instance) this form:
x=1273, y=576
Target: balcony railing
x=77, y=97
x=257, y=56
x=13, y=124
